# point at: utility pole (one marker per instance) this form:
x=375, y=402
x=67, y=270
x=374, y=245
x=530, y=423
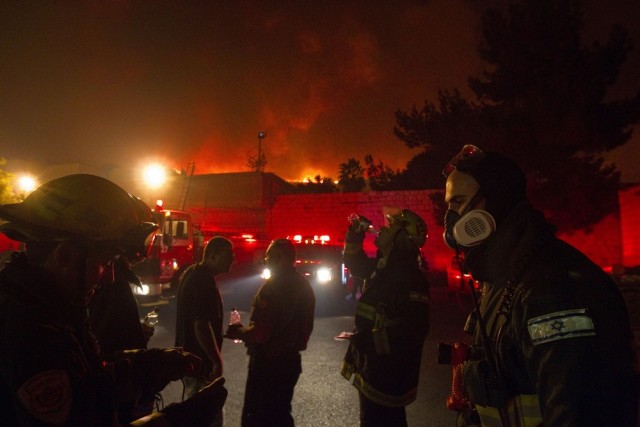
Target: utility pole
x=261, y=136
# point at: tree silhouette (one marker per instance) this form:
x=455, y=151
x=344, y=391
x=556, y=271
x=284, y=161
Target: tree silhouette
x=351, y=178
x=7, y=194
x=380, y=176
x=256, y=164
x=542, y=99
x=318, y=185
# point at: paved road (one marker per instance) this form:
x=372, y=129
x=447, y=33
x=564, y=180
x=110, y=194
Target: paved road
x=322, y=397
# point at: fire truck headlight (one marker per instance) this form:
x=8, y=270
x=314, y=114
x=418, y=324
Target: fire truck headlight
x=266, y=274
x=141, y=290
x=323, y=275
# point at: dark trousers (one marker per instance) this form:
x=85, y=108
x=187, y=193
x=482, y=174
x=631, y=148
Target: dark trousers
x=374, y=415
x=269, y=390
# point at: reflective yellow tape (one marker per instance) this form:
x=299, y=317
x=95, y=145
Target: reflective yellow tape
x=419, y=297
x=523, y=411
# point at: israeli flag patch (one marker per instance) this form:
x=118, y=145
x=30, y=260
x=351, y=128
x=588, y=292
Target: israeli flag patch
x=560, y=325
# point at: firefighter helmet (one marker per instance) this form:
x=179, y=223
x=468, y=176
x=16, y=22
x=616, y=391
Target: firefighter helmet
x=412, y=223
x=78, y=206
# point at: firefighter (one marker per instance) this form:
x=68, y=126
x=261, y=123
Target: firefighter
x=51, y=371
x=553, y=345
x=281, y=323
x=392, y=318
x=113, y=310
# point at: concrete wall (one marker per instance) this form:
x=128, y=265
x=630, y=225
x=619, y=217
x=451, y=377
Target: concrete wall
x=253, y=203
x=327, y=214
x=603, y=244
x=629, y=201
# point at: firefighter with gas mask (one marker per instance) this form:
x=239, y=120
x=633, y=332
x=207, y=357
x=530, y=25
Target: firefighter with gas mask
x=392, y=318
x=51, y=371
x=552, y=341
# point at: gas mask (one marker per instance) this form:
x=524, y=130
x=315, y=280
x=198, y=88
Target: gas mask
x=469, y=229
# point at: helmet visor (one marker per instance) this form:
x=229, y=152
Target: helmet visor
x=467, y=158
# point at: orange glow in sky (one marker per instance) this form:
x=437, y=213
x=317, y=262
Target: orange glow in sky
x=113, y=83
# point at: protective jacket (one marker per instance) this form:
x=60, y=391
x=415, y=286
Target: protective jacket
x=282, y=316
x=558, y=330
x=114, y=313
x=50, y=370
x=392, y=321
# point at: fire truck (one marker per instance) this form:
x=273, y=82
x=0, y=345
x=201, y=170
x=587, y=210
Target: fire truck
x=179, y=244
x=6, y=247
x=175, y=247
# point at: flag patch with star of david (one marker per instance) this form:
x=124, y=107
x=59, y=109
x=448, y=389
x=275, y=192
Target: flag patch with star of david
x=560, y=325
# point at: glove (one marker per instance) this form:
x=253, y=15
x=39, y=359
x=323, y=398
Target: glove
x=153, y=369
x=147, y=331
x=200, y=409
x=353, y=242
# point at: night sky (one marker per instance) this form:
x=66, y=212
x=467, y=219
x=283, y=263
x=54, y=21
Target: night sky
x=120, y=83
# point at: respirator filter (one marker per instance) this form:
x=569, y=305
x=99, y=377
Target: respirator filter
x=473, y=228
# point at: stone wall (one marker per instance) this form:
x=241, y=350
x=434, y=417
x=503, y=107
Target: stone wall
x=629, y=201
x=327, y=214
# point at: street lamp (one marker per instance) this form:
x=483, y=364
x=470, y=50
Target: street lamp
x=154, y=176
x=261, y=136
x=24, y=185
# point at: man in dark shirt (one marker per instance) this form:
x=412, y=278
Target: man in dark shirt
x=281, y=324
x=200, y=313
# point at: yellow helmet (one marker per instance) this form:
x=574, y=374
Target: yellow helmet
x=413, y=224
x=80, y=206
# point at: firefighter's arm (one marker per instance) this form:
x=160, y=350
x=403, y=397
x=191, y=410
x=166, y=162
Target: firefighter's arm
x=153, y=369
x=207, y=340
x=557, y=360
x=263, y=318
x=197, y=411
x=254, y=333
x=354, y=257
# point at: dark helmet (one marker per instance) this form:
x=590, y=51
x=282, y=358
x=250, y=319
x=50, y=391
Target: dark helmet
x=84, y=207
x=136, y=244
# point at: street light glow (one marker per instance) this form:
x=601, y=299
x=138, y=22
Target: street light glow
x=26, y=184
x=154, y=175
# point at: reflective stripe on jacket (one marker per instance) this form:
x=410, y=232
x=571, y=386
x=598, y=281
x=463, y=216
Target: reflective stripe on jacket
x=523, y=411
x=392, y=320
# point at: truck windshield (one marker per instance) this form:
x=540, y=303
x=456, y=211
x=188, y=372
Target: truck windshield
x=177, y=228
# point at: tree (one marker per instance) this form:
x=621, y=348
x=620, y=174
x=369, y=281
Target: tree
x=256, y=164
x=542, y=100
x=318, y=185
x=7, y=194
x=351, y=177
x=380, y=176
